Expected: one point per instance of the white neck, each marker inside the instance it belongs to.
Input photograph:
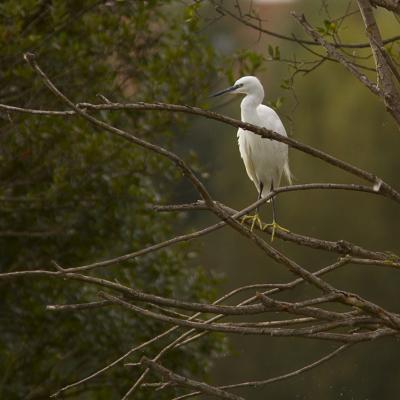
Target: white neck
(251, 102)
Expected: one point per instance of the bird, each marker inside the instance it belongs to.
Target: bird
(265, 160)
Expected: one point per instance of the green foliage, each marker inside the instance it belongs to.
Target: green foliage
(328, 29)
(274, 52)
(74, 194)
(277, 103)
(241, 63)
(287, 84)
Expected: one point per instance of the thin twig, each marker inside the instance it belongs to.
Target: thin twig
(225, 11)
(78, 307)
(277, 378)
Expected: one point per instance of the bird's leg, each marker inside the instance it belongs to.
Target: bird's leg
(274, 225)
(255, 219)
(259, 196)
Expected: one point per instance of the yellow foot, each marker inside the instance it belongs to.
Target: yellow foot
(274, 227)
(254, 219)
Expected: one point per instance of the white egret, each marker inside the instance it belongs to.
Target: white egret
(265, 160)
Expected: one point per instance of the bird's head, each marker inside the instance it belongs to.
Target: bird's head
(244, 85)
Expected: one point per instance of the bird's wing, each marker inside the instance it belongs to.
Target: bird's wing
(288, 173)
(245, 153)
(271, 120)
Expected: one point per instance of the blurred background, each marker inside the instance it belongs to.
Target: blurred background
(329, 109)
(184, 51)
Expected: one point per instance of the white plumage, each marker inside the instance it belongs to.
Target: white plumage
(265, 160)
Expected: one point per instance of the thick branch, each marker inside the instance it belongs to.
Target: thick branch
(391, 5)
(388, 90)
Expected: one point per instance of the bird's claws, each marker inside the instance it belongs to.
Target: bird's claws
(255, 219)
(274, 226)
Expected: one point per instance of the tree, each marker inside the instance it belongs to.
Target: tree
(72, 194)
(348, 320)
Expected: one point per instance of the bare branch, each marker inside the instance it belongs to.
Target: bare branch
(183, 381)
(78, 307)
(293, 373)
(300, 309)
(66, 113)
(388, 90)
(391, 5)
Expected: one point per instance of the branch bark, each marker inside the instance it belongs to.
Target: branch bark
(390, 5)
(184, 381)
(388, 90)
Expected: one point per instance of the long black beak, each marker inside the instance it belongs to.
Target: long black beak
(229, 89)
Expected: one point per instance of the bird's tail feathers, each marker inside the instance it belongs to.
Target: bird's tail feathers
(288, 174)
